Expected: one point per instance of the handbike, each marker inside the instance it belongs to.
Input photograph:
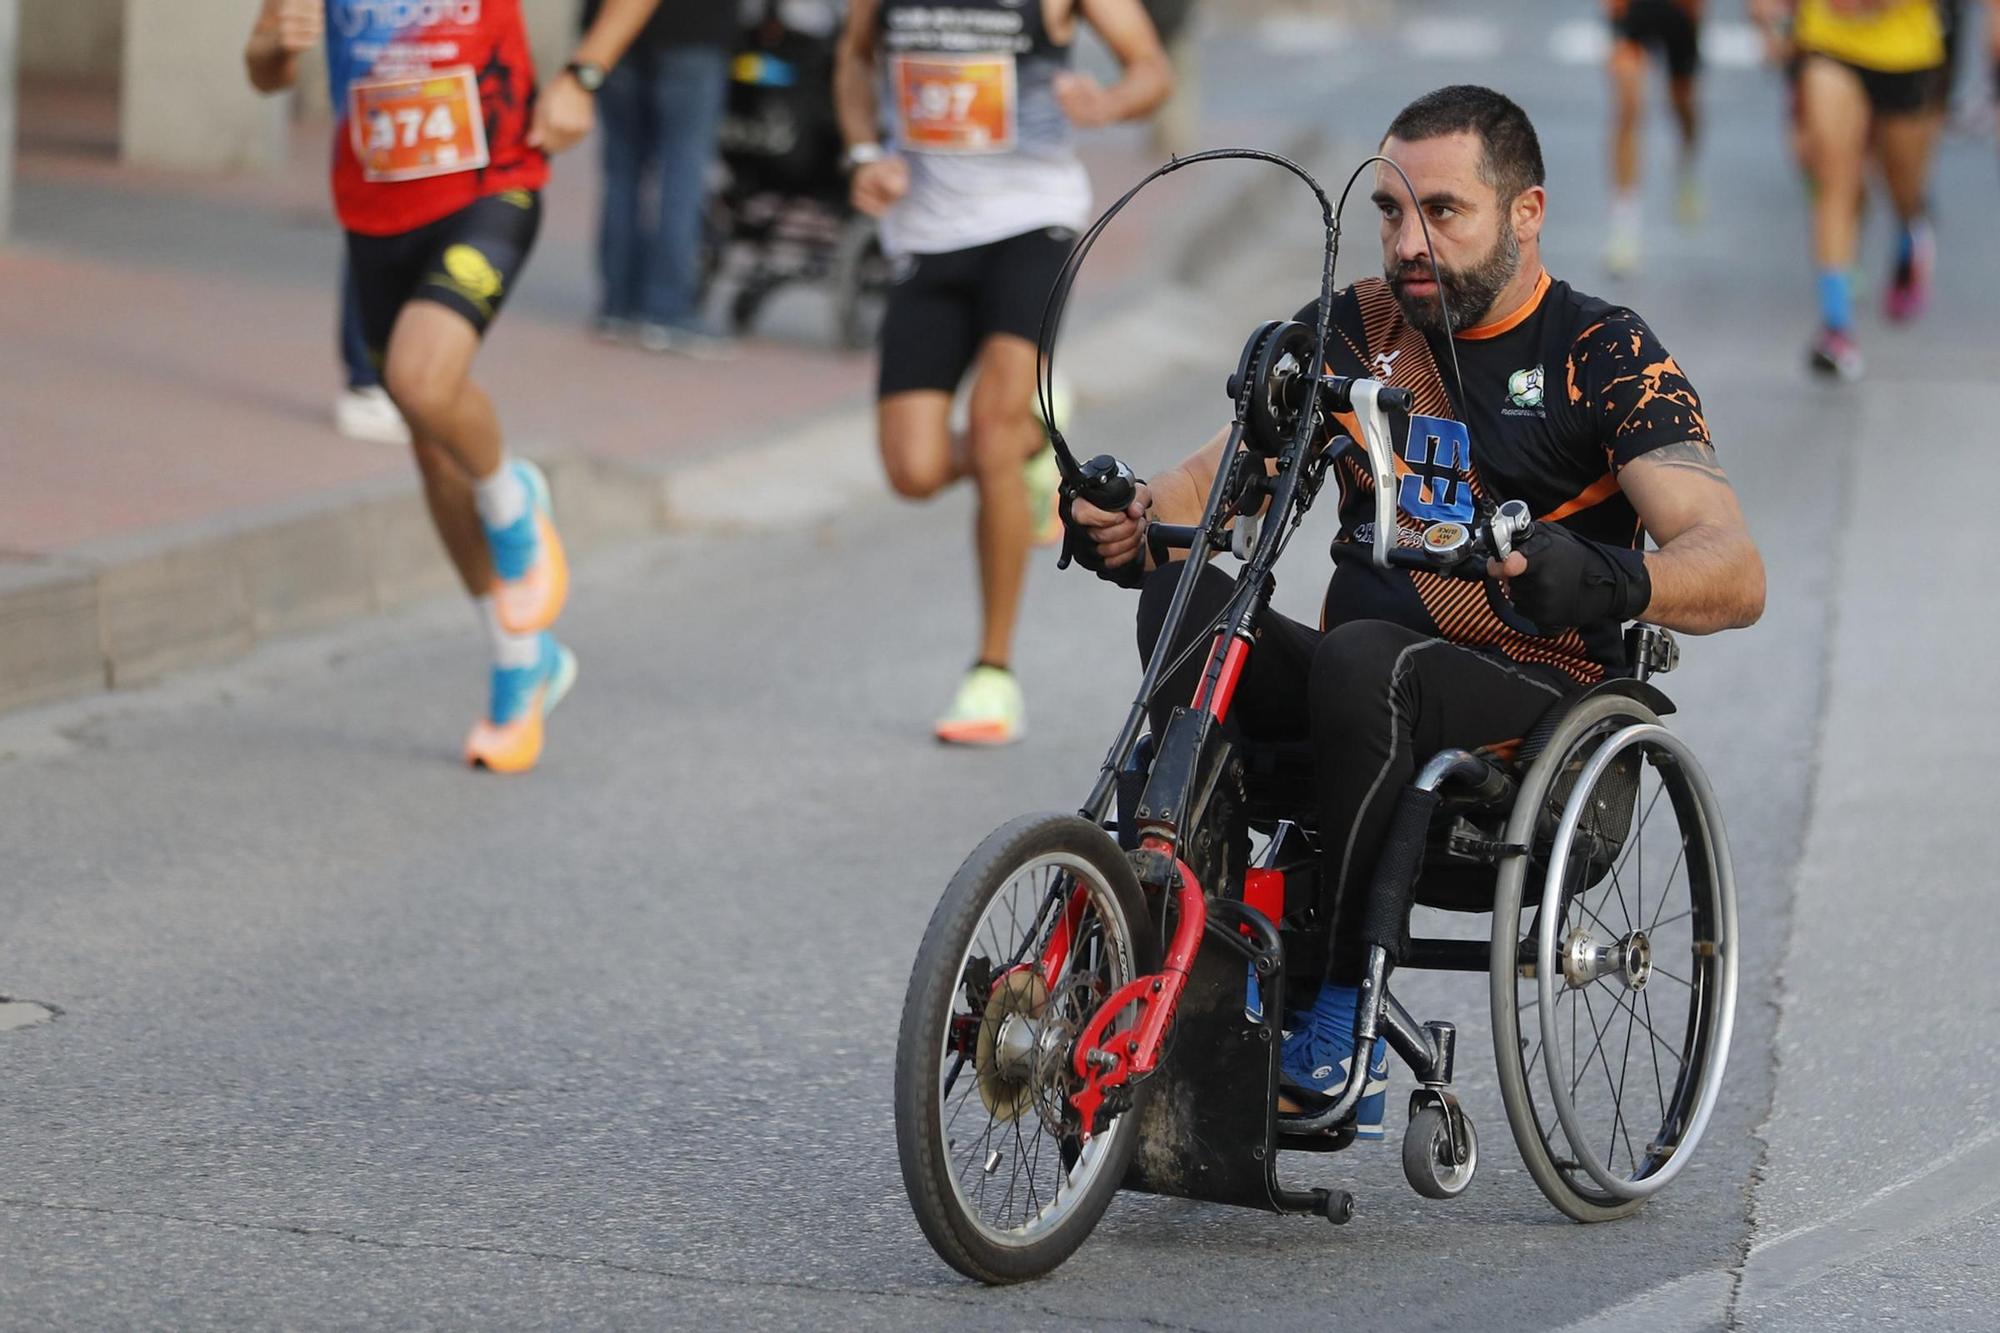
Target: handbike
(1099, 999)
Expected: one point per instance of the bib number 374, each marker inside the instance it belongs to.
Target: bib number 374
(424, 125)
(956, 104)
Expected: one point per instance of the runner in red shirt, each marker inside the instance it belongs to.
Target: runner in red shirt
(440, 150)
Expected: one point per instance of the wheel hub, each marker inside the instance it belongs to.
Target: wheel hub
(1584, 960)
(1009, 1035)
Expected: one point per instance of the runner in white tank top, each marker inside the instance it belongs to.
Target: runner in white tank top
(958, 117)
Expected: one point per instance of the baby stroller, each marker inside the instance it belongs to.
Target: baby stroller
(783, 213)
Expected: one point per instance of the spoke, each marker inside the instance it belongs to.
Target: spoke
(957, 1065)
(1597, 1046)
(1601, 923)
(1573, 1044)
(1662, 972)
(1659, 1084)
(1611, 883)
(1662, 1042)
(1604, 1062)
(1618, 1097)
(1643, 818)
(1677, 916)
(1664, 895)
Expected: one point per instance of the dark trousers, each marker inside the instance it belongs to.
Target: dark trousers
(1375, 700)
(659, 115)
(361, 369)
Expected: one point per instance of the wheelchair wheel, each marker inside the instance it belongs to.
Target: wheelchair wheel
(1001, 1181)
(1614, 960)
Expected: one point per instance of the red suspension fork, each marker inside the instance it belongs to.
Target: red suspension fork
(1105, 1060)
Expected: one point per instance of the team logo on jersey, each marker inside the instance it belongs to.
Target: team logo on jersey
(1524, 388)
(1385, 364)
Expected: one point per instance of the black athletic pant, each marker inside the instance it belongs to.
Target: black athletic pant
(1375, 700)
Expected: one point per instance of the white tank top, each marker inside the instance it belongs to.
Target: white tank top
(969, 86)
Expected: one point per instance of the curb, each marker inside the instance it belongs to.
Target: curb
(126, 611)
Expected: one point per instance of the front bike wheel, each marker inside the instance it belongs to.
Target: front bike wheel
(1001, 1179)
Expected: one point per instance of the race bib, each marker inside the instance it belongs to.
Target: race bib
(424, 125)
(956, 104)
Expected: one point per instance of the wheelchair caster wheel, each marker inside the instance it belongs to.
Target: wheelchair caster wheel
(1432, 1166)
(1338, 1207)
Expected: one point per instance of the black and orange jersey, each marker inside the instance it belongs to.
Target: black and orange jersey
(1557, 396)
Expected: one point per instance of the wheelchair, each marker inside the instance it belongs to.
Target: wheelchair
(1100, 997)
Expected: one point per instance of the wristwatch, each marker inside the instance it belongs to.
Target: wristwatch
(861, 154)
(588, 77)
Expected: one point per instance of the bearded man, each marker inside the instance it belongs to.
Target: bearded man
(1525, 389)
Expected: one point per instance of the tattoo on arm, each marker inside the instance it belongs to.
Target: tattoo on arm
(1688, 455)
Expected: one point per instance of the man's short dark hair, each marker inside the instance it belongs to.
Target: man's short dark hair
(1513, 157)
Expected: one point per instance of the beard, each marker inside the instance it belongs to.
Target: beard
(1468, 292)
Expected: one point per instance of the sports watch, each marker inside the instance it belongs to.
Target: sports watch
(588, 77)
(861, 154)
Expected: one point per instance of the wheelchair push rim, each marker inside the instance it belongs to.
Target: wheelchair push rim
(1598, 968)
(1643, 1135)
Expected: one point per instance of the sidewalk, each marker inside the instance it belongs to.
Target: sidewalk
(173, 490)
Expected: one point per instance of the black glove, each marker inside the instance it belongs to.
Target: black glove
(1105, 480)
(1572, 580)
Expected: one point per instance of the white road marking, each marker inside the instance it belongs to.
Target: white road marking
(1453, 39)
(1587, 41)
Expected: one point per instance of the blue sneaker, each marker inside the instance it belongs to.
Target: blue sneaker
(1316, 1053)
(509, 738)
(530, 568)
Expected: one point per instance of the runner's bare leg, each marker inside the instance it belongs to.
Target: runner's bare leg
(1003, 436)
(457, 434)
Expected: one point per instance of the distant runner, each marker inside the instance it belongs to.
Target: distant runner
(1672, 29)
(440, 151)
(981, 196)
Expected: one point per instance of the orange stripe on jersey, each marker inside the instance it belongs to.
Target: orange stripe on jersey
(1520, 313)
(1596, 493)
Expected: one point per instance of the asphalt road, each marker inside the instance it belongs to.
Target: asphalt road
(349, 1036)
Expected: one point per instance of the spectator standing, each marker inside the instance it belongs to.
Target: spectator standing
(364, 410)
(660, 113)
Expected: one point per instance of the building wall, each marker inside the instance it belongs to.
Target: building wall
(74, 38)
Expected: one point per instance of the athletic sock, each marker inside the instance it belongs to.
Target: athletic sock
(1626, 212)
(502, 497)
(1836, 310)
(510, 651)
(1909, 236)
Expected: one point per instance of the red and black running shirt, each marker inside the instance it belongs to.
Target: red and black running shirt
(432, 101)
(1558, 395)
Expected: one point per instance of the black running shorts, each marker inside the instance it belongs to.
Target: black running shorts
(943, 306)
(1666, 25)
(467, 261)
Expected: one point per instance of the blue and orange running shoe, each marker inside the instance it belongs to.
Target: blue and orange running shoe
(1312, 1063)
(509, 738)
(530, 568)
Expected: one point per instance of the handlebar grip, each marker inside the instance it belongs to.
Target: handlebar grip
(1107, 483)
(1339, 391)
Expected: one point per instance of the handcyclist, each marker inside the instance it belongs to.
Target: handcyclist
(981, 194)
(1673, 29)
(1566, 402)
(440, 151)
(1868, 81)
